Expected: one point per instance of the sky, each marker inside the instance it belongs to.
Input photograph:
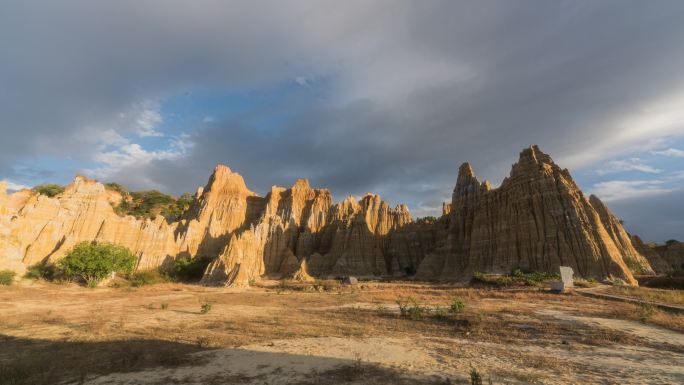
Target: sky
(356, 96)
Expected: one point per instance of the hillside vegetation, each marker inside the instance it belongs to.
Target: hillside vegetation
(150, 203)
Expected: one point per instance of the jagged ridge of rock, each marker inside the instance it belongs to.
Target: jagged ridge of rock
(657, 262)
(538, 219)
(673, 254)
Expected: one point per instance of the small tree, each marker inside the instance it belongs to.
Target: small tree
(49, 189)
(93, 262)
(7, 277)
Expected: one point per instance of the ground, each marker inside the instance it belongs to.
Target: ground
(326, 334)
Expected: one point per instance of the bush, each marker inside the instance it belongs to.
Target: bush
(457, 306)
(41, 271)
(50, 190)
(189, 269)
(205, 308)
(475, 377)
(150, 204)
(412, 309)
(94, 262)
(142, 278)
(517, 277)
(7, 277)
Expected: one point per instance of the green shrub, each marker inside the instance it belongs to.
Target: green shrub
(164, 306)
(142, 278)
(7, 277)
(41, 271)
(205, 308)
(412, 309)
(427, 219)
(150, 204)
(93, 262)
(50, 190)
(457, 306)
(517, 277)
(118, 188)
(189, 269)
(475, 377)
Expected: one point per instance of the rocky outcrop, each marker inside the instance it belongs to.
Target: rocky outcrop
(636, 262)
(44, 229)
(538, 219)
(657, 262)
(673, 253)
(300, 224)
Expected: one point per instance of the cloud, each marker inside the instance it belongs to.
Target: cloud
(670, 152)
(633, 164)
(620, 189)
(653, 219)
(132, 155)
(148, 117)
(397, 93)
(12, 186)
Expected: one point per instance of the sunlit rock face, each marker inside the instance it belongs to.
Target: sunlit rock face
(538, 219)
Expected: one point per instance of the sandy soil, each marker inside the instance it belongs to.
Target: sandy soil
(158, 335)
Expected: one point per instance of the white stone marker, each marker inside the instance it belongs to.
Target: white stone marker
(566, 283)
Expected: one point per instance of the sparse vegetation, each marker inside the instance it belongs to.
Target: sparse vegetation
(668, 296)
(142, 278)
(411, 308)
(41, 271)
(189, 269)
(205, 308)
(49, 190)
(93, 262)
(646, 311)
(427, 219)
(7, 277)
(475, 377)
(150, 204)
(457, 306)
(518, 277)
(104, 325)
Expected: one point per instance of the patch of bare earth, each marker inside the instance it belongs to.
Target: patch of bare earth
(326, 334)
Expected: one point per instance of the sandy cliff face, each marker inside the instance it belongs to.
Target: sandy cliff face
(302, 232)
(637, 262)
(537, 219)
(44, 229)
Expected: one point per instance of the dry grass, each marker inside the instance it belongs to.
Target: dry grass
(667, 296)
(51, 332)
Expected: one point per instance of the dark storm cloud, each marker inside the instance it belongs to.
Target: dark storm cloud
(415, 88)
(657, 219)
